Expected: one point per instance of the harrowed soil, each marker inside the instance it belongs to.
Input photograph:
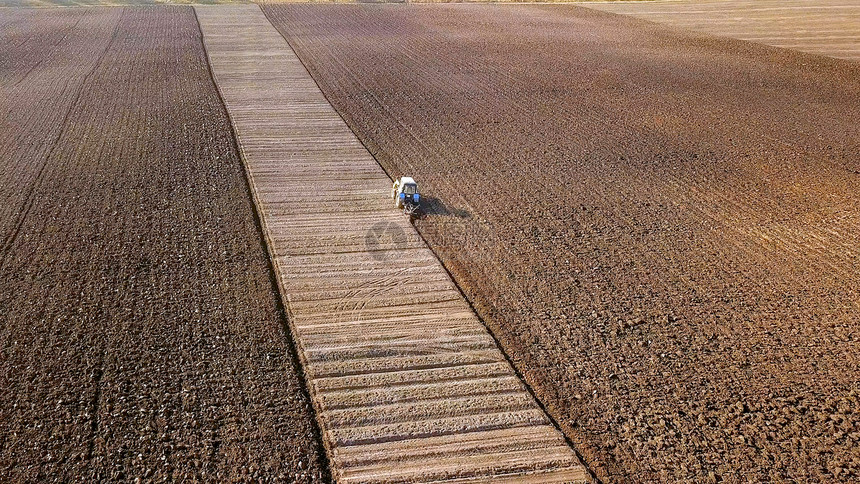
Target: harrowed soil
(661, 228)
(140, 333)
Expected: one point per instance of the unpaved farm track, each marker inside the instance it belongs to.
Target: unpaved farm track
(662, 229)
(408, 384)
(140, 335)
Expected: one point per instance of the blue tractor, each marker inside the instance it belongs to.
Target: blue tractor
(405, 194)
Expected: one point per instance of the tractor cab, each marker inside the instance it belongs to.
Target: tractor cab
(405, 194)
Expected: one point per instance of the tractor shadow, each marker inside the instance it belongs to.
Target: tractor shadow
(433, 206)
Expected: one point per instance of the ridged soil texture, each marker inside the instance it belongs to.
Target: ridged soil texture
(140, 335)
(661, 228)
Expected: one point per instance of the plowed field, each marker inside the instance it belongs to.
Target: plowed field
(661, 229)
(140, 334)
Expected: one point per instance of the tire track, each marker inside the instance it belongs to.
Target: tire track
(24, 210)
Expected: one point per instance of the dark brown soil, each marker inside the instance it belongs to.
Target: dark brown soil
(661, 229)
(140, 335)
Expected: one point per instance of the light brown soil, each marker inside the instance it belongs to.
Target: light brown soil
(825, 27)
(140, 335)
(661, 229)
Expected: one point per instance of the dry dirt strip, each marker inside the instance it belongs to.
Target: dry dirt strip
(407, 382)
(826, 27)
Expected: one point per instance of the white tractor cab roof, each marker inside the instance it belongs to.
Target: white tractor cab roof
(405, 180)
